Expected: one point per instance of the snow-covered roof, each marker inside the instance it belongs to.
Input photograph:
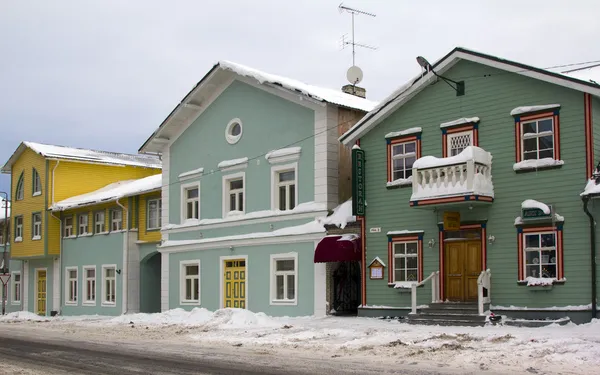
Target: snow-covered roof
(319, 93)
(341, 216)
(591, 188)
(111, 192)
(581, 80)
(84, 156)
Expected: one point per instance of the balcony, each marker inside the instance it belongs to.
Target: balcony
(466, 177)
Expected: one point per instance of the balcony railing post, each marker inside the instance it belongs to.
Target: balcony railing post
(470, 173)
(413, 298)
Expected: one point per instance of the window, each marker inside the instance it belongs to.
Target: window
(71, 286)
(458, 135)
(154, 211)
(99, 225)
(405, 257)
(458, 141)
(538, 139)
(89, 285)
(18, 228)
(16, 288)
(233, 131)
(284, 192)
(403, 156)
(284, 279)
(233, 193)
(540, 252)
(406, 265)
(190, 282)
(109, 285)
(37, 183)
(116, 220)
(83, 224)
(191, 201)
(36, 226)
(402, 152)
(20, 190)
(68, 232)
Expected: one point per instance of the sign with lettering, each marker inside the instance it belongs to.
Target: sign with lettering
(534, 213)
(451, 220)
(358, 182)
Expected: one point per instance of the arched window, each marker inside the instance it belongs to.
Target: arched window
(19, 191)
(37, 183)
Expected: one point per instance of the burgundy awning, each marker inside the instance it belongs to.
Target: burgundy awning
(343, 248)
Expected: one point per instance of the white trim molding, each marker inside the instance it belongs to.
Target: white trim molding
(183, 200)
(182, 282)
(320, 290)
(84, 279)
(189, 175)
(226, 191)
(273, 301)
(222, 260)
(67, 286)
(164, 282)
(275, 171)
(284, 155)
(233, 139)
(103, 303)
(25, 285)
(56, 281)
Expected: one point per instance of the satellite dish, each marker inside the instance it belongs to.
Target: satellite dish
(354, 75)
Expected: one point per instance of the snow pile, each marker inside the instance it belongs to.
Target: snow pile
(532, 108)
(531, 204)
(537, 163)
(460, 121)
(239, 318)
(232, 163)
(591, 188)
(404, 132)
(305, 207)
(283, 152)
(400, 182)
(539, 281)
(477, 154)
(180, 316)
(321, 94)
(341, 216)
(191, 173)
(22, 316)
(114, 191)
(405, 284)
(94, 156)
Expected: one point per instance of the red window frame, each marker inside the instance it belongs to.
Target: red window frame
(519, 120)
(558, 233)
(392, 239)
(402, 139)
(473, 127)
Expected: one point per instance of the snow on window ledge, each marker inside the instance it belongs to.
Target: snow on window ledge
(557, 218)
(191, 174)
(541, 281)
(18, 239)
(528, 165)
(530, 203)
(283, 155)
(404, 284)
(401, 133)
(460, 121)
(532, 108)
(36, 194)
(86, 234)
(69, 237)
(400, 182)
(35, 238)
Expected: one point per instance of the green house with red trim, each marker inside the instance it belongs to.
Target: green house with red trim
(473, 177)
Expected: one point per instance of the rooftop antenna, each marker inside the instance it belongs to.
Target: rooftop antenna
(354, 73)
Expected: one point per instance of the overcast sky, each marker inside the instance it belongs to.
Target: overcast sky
(104, 74)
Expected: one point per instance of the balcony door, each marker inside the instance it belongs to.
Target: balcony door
(457, 142)
(462, 268)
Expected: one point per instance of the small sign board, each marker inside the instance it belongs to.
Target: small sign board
(535, 213)
(451, 220)
(376, 270)
(375, 230)
(5, 277)
(358, 182)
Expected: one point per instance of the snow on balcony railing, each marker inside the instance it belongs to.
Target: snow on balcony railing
(469, 172)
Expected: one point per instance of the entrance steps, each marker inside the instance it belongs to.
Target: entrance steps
(449, 314)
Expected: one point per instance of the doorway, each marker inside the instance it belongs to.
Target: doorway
(234, 282)
(150, 279)
(40, 306)
(462, 268)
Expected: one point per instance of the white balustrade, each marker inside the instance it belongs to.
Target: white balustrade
(484, 281)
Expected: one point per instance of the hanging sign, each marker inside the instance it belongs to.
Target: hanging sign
(358, 182)
(451, 220)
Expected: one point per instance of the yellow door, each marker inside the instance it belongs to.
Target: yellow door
(235, 284)
(41, 292)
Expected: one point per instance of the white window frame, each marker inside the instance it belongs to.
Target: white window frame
(83, 232)
(226, 191)
(14, 284)
(103, 222)
(118, 221)
(397, 256)
(273, 282)
(36, 227)
(69, 282)
(158, 214)
(233, 139)
(184, 201)
(537, 136)
(275, 170)
(68, 229)
(539, 250)
(36, 182)
(449, 137)
(85, 281)
(182, 282)
(20, 190)
(403, 157)
(18, 229)
(105, 303)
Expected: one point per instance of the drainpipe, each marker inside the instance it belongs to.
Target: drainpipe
(54, 169)
(586, 200)
(125, 256)
(60, 256)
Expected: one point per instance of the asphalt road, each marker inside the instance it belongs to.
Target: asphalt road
(20, 354)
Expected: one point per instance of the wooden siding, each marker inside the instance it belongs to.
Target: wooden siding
(491, 95)
(143, 233)
(30, 204)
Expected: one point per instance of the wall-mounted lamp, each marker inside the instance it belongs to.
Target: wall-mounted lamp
(431, 243)
(119, 272)
(460, 85)
(271, 226)
(491, 239)
(231, 248)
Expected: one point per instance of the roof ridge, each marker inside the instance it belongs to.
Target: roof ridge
(148, 156)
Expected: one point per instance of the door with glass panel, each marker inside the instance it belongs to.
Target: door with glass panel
(234, 282)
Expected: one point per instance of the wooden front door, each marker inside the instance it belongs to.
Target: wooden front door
(234, 293)
(461, 270)
(41, 292)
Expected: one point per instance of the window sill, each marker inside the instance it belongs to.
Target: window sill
(69, 237)
(36, 194)
(18, 239)
(70, 303)
(98, 233)
(89, 304)
(35, 239)
(393, 187)
(16, 303)
(108, 304)
(152, 230)
(279, 302)
(403, 290)
(537, 168)
(189, 303)
(86, 235)
(118, 231)
(535, 288)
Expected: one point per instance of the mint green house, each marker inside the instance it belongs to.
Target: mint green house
(473, 183)
(250, 160)
(11, 291)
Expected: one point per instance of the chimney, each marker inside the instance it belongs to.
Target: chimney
(355, 90)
